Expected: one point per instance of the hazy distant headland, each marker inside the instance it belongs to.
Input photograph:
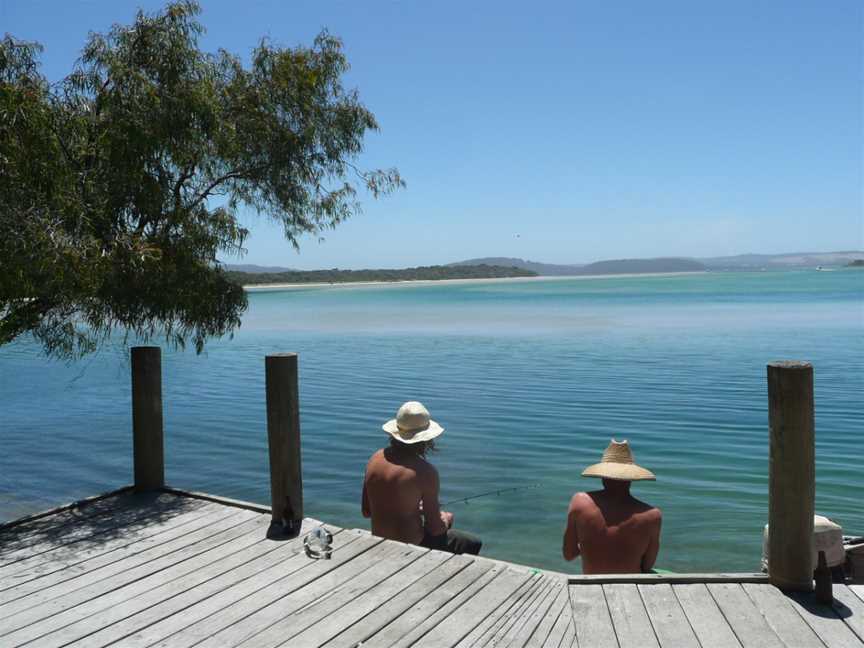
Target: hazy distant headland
(678, 264)
(506, 267)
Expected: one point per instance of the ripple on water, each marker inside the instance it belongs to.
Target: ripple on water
(531, 382)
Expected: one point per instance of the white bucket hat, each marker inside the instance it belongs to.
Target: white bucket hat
(618, 463)
(412, 424)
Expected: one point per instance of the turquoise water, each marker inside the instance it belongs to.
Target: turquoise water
(530, 378)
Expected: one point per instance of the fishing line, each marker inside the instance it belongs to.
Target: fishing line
(498, 491)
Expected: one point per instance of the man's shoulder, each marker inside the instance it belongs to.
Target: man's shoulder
(378, 455)
(582, 501)
(650, 514)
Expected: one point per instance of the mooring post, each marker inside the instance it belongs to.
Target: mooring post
(147, 443)
(791, 488)
(283, 436)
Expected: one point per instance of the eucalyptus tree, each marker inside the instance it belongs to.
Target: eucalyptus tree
(121, 183)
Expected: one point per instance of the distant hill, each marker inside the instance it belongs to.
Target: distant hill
(430, 273)
(544, 269)
(677, 264)
(641, 266)
(788, 260)
(252, 268)
(618, 266)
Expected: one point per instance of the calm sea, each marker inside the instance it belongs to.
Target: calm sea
(530, 378)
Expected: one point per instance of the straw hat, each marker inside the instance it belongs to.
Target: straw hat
(412, 424)
(617, 463)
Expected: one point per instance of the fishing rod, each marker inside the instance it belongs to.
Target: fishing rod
(459, 500)
(499, 491)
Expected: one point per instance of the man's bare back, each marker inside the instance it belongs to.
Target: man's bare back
(400, 494)
(613, 532)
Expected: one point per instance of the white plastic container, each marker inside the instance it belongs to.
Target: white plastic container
(827, 537)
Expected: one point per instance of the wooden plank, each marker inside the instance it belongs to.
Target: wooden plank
(743, 616)
(562, 627)
(591, 617)
(629, 616)
(93, 544)
(519, 633)
(569, 638)
(667, 617)
(849, 608)
(499, 616)
(218, 611)
(517, 617)
(825, 622)
(361, 629)
(110, 612)
(779, 613)
(857, 590)
(679, 579)
(431, 621)
(96, 529)
(168, 610)
(285, 626)
(30, 527)
(473, 611)
(705, 617)
(75, 523)
(127, 561)
(79, 570)
(135, 581)
(384, 596)
(434, 604)
(540, 635)
(265, 607)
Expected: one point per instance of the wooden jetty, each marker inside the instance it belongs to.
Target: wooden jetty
(150, 565)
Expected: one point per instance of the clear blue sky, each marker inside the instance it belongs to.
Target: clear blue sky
(566, 132)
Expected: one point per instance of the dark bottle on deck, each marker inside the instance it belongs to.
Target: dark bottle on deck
(822, 575)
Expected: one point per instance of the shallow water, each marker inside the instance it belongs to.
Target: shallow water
(531, 380)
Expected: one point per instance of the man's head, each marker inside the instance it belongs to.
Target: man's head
(420, 449)
(617, 486)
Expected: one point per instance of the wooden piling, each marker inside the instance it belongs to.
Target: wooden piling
(283, 435)
(147, 432)
(791, 490)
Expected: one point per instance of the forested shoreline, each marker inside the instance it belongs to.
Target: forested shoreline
(422, 273)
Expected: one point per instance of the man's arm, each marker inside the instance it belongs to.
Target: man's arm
(364, 504)
(653, 543)
(433, 524)
(571, 535)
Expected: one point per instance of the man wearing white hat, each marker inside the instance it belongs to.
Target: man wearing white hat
(613, 531)
(400, 489)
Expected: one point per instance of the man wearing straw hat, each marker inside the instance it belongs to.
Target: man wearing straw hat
(613, 531)
(400, 490)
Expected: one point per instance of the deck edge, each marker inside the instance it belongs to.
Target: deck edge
(672, 579)
(218, 499)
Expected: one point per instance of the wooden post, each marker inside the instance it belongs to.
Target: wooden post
(149, 459)
(283, 436)
(791, 489)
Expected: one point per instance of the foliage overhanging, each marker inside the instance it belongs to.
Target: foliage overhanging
(121, 183)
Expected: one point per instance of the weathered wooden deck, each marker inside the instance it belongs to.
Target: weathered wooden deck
(171, 570)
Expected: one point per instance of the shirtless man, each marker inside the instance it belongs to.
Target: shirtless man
(613, 531)
(400, 490)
